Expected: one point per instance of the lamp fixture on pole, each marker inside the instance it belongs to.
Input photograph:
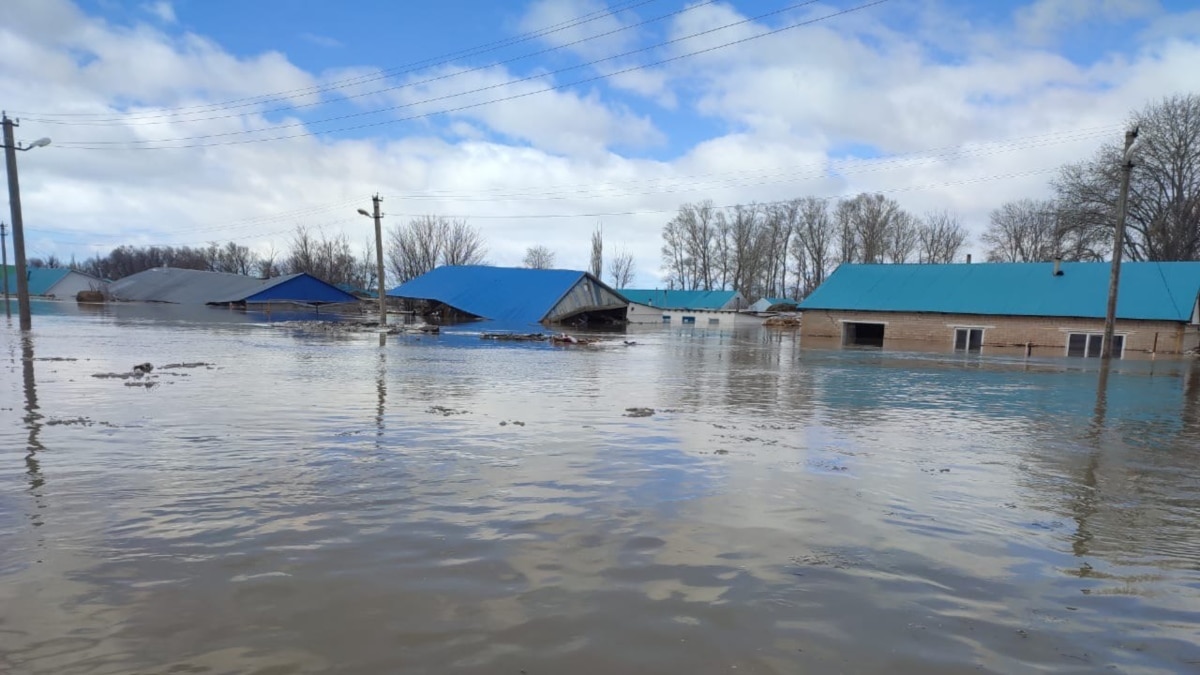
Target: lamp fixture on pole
(378, 217)
(18, 225)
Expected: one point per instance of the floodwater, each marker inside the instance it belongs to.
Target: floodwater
(313, 503)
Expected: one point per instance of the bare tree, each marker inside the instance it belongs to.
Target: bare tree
(812, 247)
(1163, 216)
(901, 238)
(464, 245)
(597, 268)
(539, 257)
(620, 269)
(328, 258)
(1025, 230)
(939, 238)
(429, 241)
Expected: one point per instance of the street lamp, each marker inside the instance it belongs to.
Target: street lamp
(377, 216)
(14, 203)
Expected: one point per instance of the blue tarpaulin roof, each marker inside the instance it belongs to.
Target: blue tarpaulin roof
(40, 279)
(1149, 290)
(515, 296)
(679, 299)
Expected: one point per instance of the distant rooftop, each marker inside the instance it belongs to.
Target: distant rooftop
(669, 299)
(1149, 290)
(198, 287)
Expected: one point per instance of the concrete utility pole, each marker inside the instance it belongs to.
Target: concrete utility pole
(14, 203)
(4, 268)
(378, 216)
(1114, 278)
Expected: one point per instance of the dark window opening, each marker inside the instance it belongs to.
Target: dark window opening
(968, 339)
(1091, 345)
(863, 334)
(689, 319)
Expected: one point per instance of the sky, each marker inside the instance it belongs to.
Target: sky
(189, 121)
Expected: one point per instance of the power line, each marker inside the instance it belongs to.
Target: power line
(169, 118)
(106, 145)
(609, 214)
(383, 74)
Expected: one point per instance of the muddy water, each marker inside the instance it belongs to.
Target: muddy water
(315, 503)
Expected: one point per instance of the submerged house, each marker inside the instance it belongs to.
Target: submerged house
(54, 282)
(516, 298)
(198, 287)
(713, 308)
(1047, 309)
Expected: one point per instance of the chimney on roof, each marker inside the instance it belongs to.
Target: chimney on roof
(968, 258)
(1058, 266)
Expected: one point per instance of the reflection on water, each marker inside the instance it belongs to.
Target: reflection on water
(284, 502)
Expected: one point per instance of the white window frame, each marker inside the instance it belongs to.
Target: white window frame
(954, 338)
(1091, 334)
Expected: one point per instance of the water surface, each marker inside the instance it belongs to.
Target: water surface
(308, 503)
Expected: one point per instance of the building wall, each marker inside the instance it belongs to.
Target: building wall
(69, 286)
(638, 313)
(1047, 336)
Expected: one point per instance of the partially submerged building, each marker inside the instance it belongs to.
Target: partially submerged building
(773, 305)
(515, 297)
(712, 308)
(197, 287)
(1048, 309)
(54, 282)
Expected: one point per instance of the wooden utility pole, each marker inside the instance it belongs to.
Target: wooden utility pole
(378, 215)
(14, 205)
(4, 268)
(1114, 278)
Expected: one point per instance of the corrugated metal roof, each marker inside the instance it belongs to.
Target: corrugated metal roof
(1153, 291)
(40, 279)
(510, 295)
(198, 287)
(681, 299)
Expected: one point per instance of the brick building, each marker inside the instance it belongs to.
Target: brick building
(1041, 309)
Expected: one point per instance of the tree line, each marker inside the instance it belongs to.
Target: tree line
(788, 248)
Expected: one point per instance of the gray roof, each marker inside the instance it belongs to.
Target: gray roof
(190, 287)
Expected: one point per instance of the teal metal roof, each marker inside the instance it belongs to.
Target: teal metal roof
(679, 299)
(41, 279)
(1153, 291)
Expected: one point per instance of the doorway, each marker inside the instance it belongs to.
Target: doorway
(862, 334)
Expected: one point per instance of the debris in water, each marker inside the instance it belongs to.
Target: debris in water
(196, 364)
(638, 412)
(783, 322)
(142, 383)
(143, 368)
(444, 411)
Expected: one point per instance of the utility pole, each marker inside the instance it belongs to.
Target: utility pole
(1114, 278)
(379, 259)
(14, 204)
(4, 268)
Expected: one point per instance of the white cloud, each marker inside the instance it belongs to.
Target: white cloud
(161, 9)
(777, 114)
(1042, 20)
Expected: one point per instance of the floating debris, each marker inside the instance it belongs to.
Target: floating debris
(515, 337)
(444, 411)
(197, 364)
(143, 368)
(142, 383)
(638, 412)
(789, 321)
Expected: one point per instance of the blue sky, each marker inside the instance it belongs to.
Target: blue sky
(941, 105)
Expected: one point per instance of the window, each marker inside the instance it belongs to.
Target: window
(1090, 345)
(863, 334)
(689, 319)
(666, 318)
(714, 321)
(968, 339)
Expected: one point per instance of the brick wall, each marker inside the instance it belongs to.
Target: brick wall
(1048, 336)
